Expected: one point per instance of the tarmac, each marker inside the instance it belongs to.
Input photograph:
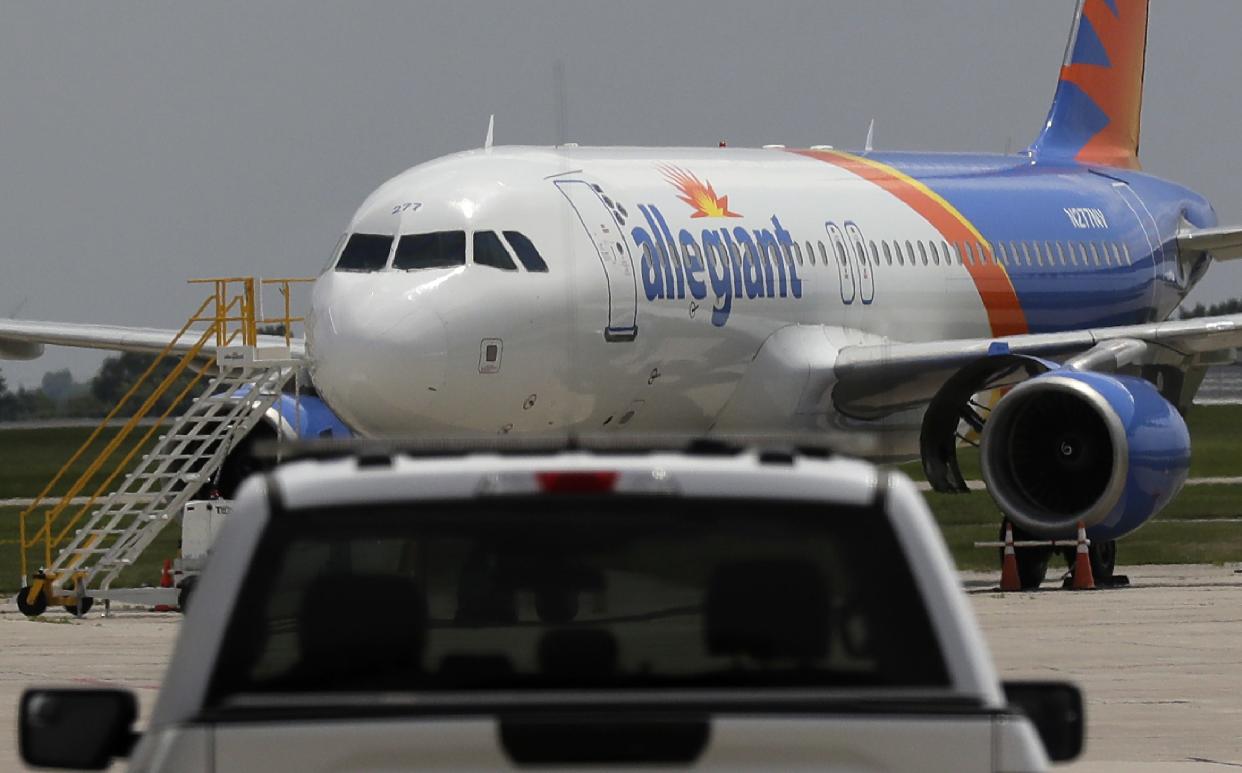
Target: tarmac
(1160, 662)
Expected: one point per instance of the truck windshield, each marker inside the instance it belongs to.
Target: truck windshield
(584, 593)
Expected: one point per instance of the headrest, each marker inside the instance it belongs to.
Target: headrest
(475, 671)
(361, 624)
(768, 609)
(578, 653)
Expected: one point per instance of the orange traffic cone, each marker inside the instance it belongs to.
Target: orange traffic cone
(1009, 564)
(166, 581)
(1083, 579)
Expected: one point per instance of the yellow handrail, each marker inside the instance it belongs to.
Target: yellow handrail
(50, 515)
(284, 287)
(231, 312)
(150, 402)
(73, 521)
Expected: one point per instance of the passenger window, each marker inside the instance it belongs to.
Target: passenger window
(1004, 256)
(923, 251)
(526, 252)
(797, 252)
(1082, 253)
(1116, 254)
(438, 249)
(488, 251)
(1026, 254)
(888, 253)
(1060, 253)
(810, 253)
(1126, 249)
(1014, 255)
(1047, 252)
(365, 252)
(1095, 256)
(823, 254)
(875, 253)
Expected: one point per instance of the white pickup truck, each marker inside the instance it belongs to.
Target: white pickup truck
(729, 610)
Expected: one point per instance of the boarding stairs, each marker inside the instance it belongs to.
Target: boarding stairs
(173, 461)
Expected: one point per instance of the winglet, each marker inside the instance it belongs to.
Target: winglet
(491, 124)
(1095, 114)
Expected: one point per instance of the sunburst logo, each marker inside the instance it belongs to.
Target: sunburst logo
(698, 194)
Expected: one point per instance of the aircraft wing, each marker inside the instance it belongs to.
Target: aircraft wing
(24, 339)
(878, 378)
(1222, 243)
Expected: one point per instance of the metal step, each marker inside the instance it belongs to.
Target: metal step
(151, 496)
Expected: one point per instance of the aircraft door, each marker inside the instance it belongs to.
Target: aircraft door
(602, 223)
(845, 263)
(1145, 220)
(862, 264)
(1151, 235)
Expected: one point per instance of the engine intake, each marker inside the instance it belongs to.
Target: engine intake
(1069, 447)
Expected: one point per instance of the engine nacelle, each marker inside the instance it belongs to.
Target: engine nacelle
(290, 418)
(1068, 447)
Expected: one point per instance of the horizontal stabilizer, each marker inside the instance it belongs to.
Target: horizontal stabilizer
(1223, 243)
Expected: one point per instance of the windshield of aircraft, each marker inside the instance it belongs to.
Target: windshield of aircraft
(591, 592)
(488, 251)
(439, 249)
(365, 252)
(526, 251)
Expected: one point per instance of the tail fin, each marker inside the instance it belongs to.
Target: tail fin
(1095, 114)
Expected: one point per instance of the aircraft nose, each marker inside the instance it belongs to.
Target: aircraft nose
(378, 360)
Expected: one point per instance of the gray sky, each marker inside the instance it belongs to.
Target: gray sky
(144, 144)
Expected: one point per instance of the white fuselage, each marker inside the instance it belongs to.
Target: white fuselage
(653, 308)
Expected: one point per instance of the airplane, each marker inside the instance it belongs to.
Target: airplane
(1020, 299)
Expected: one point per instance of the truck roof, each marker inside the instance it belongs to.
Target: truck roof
(747, 474)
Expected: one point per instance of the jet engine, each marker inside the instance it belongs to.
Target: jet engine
(289, 419)
(1067, 447)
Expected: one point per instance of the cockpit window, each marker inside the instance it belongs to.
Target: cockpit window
(365, 252)
(488, 251)
(526, 251)
(336, 253)
(439, 249)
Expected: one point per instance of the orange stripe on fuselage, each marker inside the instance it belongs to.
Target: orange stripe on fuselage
(1005, 314)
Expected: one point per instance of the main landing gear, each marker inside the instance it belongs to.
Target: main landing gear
(1033, 561)
(1103, 557)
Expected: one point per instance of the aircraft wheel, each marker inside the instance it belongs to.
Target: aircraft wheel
(1103, 555)
(31, 609)
(1032, 562)
(185, 591)
(87, 603)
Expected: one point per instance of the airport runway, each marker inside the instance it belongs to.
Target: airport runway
(1160, 662)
